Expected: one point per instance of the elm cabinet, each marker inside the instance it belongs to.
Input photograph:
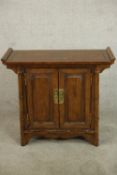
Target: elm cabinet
(59, 91)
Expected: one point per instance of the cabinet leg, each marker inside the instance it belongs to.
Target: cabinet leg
(92, 138)
(25, 139)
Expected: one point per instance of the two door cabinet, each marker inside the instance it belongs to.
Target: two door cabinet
(59, 91)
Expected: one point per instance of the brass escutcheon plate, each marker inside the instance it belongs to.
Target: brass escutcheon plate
(61, 96)
(58, 96)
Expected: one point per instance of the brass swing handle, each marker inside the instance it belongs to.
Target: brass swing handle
(58, 96)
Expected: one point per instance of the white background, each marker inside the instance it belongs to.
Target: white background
(58, 24)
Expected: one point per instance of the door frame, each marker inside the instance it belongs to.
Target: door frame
(53, 75)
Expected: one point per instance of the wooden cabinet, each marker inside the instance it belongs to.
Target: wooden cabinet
(59, 92)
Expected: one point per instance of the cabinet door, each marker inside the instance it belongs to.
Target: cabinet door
(75, 108)
(42, 111)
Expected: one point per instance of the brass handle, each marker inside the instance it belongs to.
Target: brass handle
(55, 95)
(58, 96)
(61, 96)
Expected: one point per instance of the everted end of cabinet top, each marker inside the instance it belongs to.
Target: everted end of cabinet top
(58, 57)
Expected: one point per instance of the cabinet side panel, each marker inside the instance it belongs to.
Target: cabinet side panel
(24, 120)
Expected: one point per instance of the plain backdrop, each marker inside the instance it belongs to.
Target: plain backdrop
(58, 24)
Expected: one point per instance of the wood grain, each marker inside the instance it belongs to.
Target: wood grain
(55, 57)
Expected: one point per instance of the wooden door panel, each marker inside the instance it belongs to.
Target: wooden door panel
(75, 111)
(42, 110)
(74, 98)
(41, 86)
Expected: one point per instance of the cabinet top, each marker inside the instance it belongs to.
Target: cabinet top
(49, 57)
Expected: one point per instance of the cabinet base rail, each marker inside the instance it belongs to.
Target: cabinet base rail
(90, 135)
